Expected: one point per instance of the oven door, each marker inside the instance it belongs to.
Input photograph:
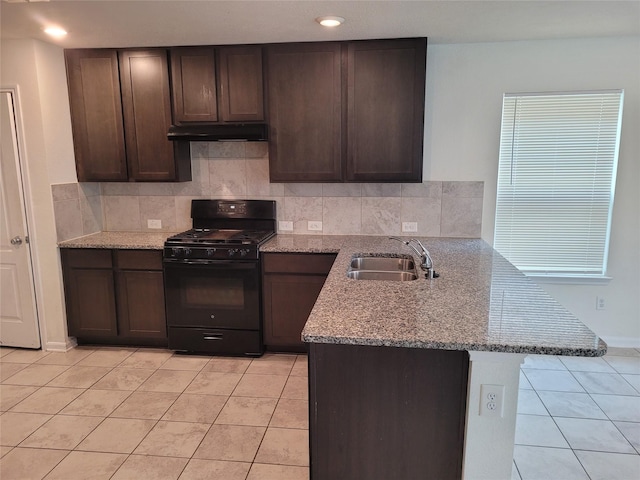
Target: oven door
(223, 294)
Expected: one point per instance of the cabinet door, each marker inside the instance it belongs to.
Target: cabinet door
(141, 304)
(288, 301)
(89, 293)
(193, 75)
(96, 115)
(291, 285)
(241, 91)
(144, 78)
(304, 98)
(380, 412)
(386, 82)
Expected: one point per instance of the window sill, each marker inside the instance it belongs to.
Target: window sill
(570, 280)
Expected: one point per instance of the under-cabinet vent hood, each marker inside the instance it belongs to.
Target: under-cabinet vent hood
(252, 132)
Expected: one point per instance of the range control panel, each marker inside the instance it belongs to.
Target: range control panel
(203, 254)
(233, 208)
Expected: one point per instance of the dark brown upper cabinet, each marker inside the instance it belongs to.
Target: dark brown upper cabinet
(346, 111)
(385, 111)
(241, 84)
(120, 113)
(193, 73)
(216, 85)
(96, 115)
(144, 77)
(305, 105)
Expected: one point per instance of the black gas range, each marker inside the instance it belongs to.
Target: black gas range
(216, 244)
(213, 279)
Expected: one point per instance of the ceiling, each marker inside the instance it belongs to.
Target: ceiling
(113, 23)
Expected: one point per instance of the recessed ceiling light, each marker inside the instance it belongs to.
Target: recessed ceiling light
(55, 32)
(330, 21)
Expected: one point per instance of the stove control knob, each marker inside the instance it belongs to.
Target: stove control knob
(244, 252)
(233, 251)
(176, 251)
(186, 251)
(211, 252)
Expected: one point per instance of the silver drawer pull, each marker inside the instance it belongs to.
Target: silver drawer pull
(213, 337)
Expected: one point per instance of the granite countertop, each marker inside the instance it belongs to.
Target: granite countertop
(479, 302)
(120, 240)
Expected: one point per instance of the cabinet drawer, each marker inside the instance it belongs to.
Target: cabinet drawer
(86, 258)
(215, 340)
(138, 259)
(312, 263)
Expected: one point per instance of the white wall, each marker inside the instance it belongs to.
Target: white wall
(465, 84)
(54, 103)
(38, 71)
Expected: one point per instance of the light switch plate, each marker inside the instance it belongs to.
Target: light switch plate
(154, 223)
(285, 226)
(314, 226)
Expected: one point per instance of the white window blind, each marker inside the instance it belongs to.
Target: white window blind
(556, 181)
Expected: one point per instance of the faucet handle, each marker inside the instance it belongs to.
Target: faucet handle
(419, 243)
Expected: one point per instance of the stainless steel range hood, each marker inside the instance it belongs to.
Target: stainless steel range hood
(252, 132)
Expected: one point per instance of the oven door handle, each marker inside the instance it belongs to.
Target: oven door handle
(212, 336)
(204, 262)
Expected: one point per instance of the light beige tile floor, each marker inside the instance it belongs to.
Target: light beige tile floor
(142, 413)
(126, 413)
(579, 418)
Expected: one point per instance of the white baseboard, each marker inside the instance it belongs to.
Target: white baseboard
(622, 342)
(61, 346)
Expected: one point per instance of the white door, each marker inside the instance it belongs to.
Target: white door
(18, 317)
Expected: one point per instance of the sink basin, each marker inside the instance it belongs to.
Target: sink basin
(391, 267)
(386, 264)
(379, 275)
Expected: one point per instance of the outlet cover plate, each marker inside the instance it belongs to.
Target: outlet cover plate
(409, 226)
(314, 226)
(154, 223)
(491, 400)
(285, 226)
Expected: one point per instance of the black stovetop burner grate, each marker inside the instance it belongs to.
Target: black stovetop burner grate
(222, 236)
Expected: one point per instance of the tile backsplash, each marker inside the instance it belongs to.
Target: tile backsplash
(78, 209)
(241, 170)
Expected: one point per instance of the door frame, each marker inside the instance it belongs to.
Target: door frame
(25, 187)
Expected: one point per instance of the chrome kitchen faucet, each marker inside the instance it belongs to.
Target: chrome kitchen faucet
(426, 263)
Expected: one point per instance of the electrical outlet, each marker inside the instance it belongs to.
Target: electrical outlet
(314, 226)
(285, 226)
(491, 400)
(154, 223)
(600, 303)
(409, 226)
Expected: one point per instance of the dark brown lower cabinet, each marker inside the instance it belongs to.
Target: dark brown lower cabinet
(90, 293)
(115, 297)
(384, 413)
(291, 285)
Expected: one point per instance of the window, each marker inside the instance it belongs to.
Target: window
(556, 181)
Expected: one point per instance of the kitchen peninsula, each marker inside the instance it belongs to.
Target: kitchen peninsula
(396, 369)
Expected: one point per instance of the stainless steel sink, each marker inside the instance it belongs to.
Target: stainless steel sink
(377, 275)
(390, 267)
(386, 264)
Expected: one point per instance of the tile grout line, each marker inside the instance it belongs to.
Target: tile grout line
(608, 419)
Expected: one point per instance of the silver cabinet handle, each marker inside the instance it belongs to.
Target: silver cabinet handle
(16, 241)
(213, 337)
